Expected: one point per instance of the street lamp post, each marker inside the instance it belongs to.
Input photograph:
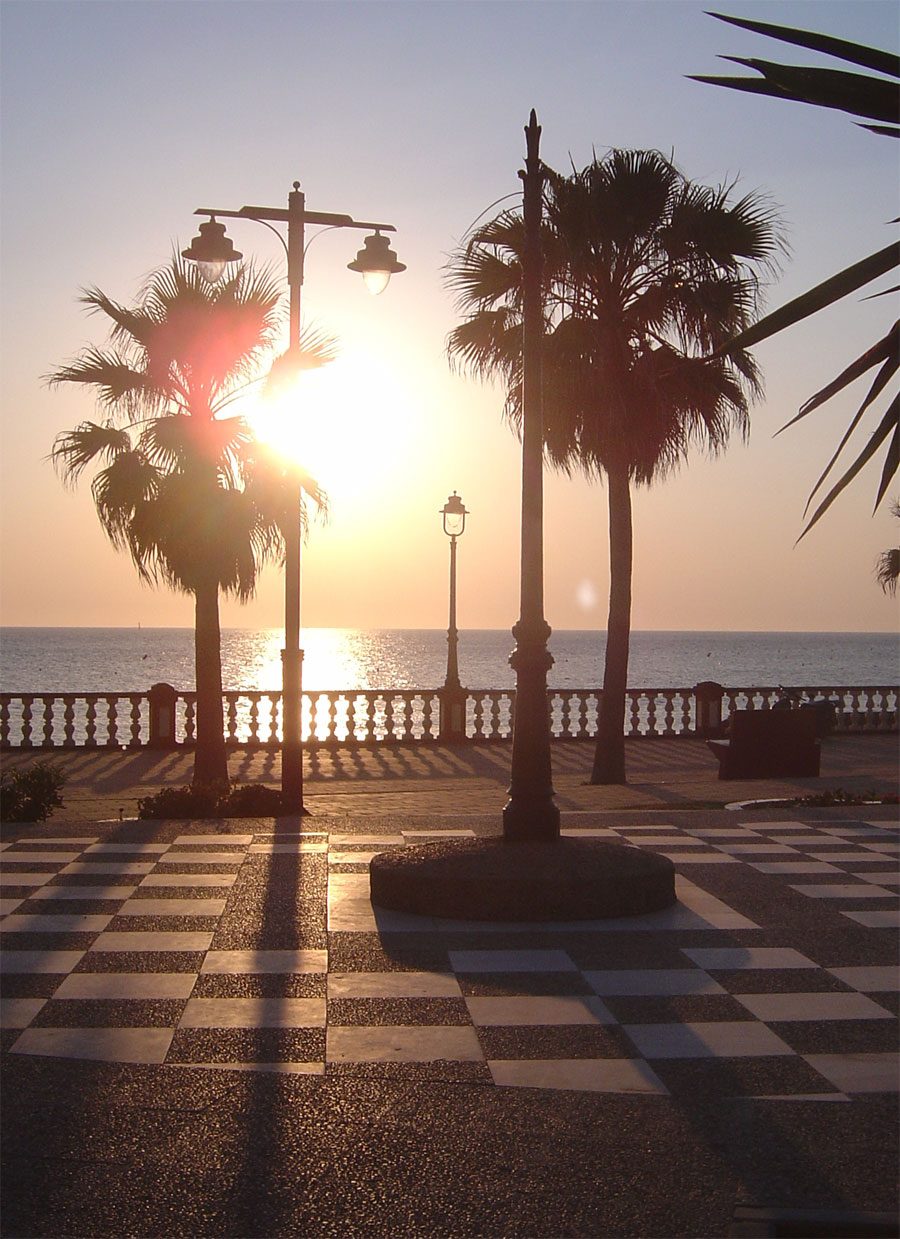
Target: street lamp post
(212, 250)
(453, 699)
(530, 813)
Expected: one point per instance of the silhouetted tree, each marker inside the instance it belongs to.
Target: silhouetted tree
(646, 274)
(887, 569)
(184, 490)
(874, 99)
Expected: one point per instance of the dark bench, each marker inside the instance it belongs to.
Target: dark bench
(769, 744)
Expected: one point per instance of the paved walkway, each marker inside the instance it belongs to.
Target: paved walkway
(466, 779)
(208, 1030)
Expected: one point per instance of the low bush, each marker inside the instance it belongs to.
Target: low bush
(31, 793)
(212, 800)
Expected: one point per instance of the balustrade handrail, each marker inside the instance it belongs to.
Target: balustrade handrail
(165, 717)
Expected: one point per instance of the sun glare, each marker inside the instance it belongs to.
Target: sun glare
(348, 424)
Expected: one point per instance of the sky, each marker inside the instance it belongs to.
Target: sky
(119, 120)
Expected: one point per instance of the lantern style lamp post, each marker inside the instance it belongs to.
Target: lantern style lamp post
(530, 813)
(453, 699)
(212, 250)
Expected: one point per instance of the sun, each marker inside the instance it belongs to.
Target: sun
(349, 424)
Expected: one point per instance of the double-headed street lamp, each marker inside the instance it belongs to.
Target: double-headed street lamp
(212, 250)
(453, 699)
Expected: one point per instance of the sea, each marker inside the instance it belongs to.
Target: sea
(90, 660)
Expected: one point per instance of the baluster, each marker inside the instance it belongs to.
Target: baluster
(633, 700)
(407, 733)
(27, 702)
(68, 721)
(582, 699)
(479, 717)
(49, 700)
(135, 699)
(668, 712)
(4, 721)
(427, 715)
(494, 732)
(253, 719)
(651, 714)
(370, 734)
(332, 716)
(565, 717)
(90, 721)
(686, 721)
(112, 721)
(190, 715)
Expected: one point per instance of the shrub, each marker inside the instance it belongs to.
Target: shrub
(212, 800)
(32, 793)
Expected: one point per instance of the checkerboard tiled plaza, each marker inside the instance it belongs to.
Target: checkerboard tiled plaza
(773, 977)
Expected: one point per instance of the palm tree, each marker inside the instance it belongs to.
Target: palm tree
(887, 567)
(180, 487)
(874, 98)
(646, 274)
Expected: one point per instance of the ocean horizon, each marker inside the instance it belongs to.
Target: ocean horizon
(83, 659)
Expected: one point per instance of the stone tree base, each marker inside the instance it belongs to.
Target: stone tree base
(569, 879)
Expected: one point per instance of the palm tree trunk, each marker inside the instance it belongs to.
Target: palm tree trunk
(210, 762)
(609, 754)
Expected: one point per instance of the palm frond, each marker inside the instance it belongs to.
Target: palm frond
(74, 450)
(842, 49)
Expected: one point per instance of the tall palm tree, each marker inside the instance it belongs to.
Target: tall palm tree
(874, 98)
(179, 486)
(646, 274)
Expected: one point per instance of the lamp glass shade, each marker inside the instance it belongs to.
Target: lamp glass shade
(376, 281)
(211, 250)
(376, 262)
(212, 272)
(454, 513)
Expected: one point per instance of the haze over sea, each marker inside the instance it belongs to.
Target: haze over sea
(131, 659)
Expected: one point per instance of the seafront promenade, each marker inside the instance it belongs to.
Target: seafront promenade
(466, 778)
(208, 1029)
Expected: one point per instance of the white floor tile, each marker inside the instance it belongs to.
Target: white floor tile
(293, 1069)
(876, 920)
(73, 839)
(300, 847)
(8, 906)
(342, 840)
(511, 961)
(725, 1039)
(580, 1075)
(794, 866)
(393, 985)
(82, 892)
(350, 858)
(109, 1045)
(858, 1073)
(654, 841)
(532, 1010)
(10, 878)
(19, 1012)
(752, 849)
(253, 1013)
(118, 985)
(52, 923)
(699, 858)
(208, 840)
(350, 909)
(821, 1007)
(202, 858)
(841, 890)
(421, 835)
(134, 849)
(870, 978)
(878, 879)
(152, 940)
(632, 982)
(40, 963)
(188, 879)
(173, 907)
(731, 958)
(108, 868)
(421, 1043)
(241, 963)
(40, 858)
(845, 858)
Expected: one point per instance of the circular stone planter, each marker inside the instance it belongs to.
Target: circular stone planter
(568, 879)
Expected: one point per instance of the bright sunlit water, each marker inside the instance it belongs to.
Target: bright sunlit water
(131, 659)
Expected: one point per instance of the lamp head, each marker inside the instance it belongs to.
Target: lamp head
(376, 262)
(211, 250)
(454, 513)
